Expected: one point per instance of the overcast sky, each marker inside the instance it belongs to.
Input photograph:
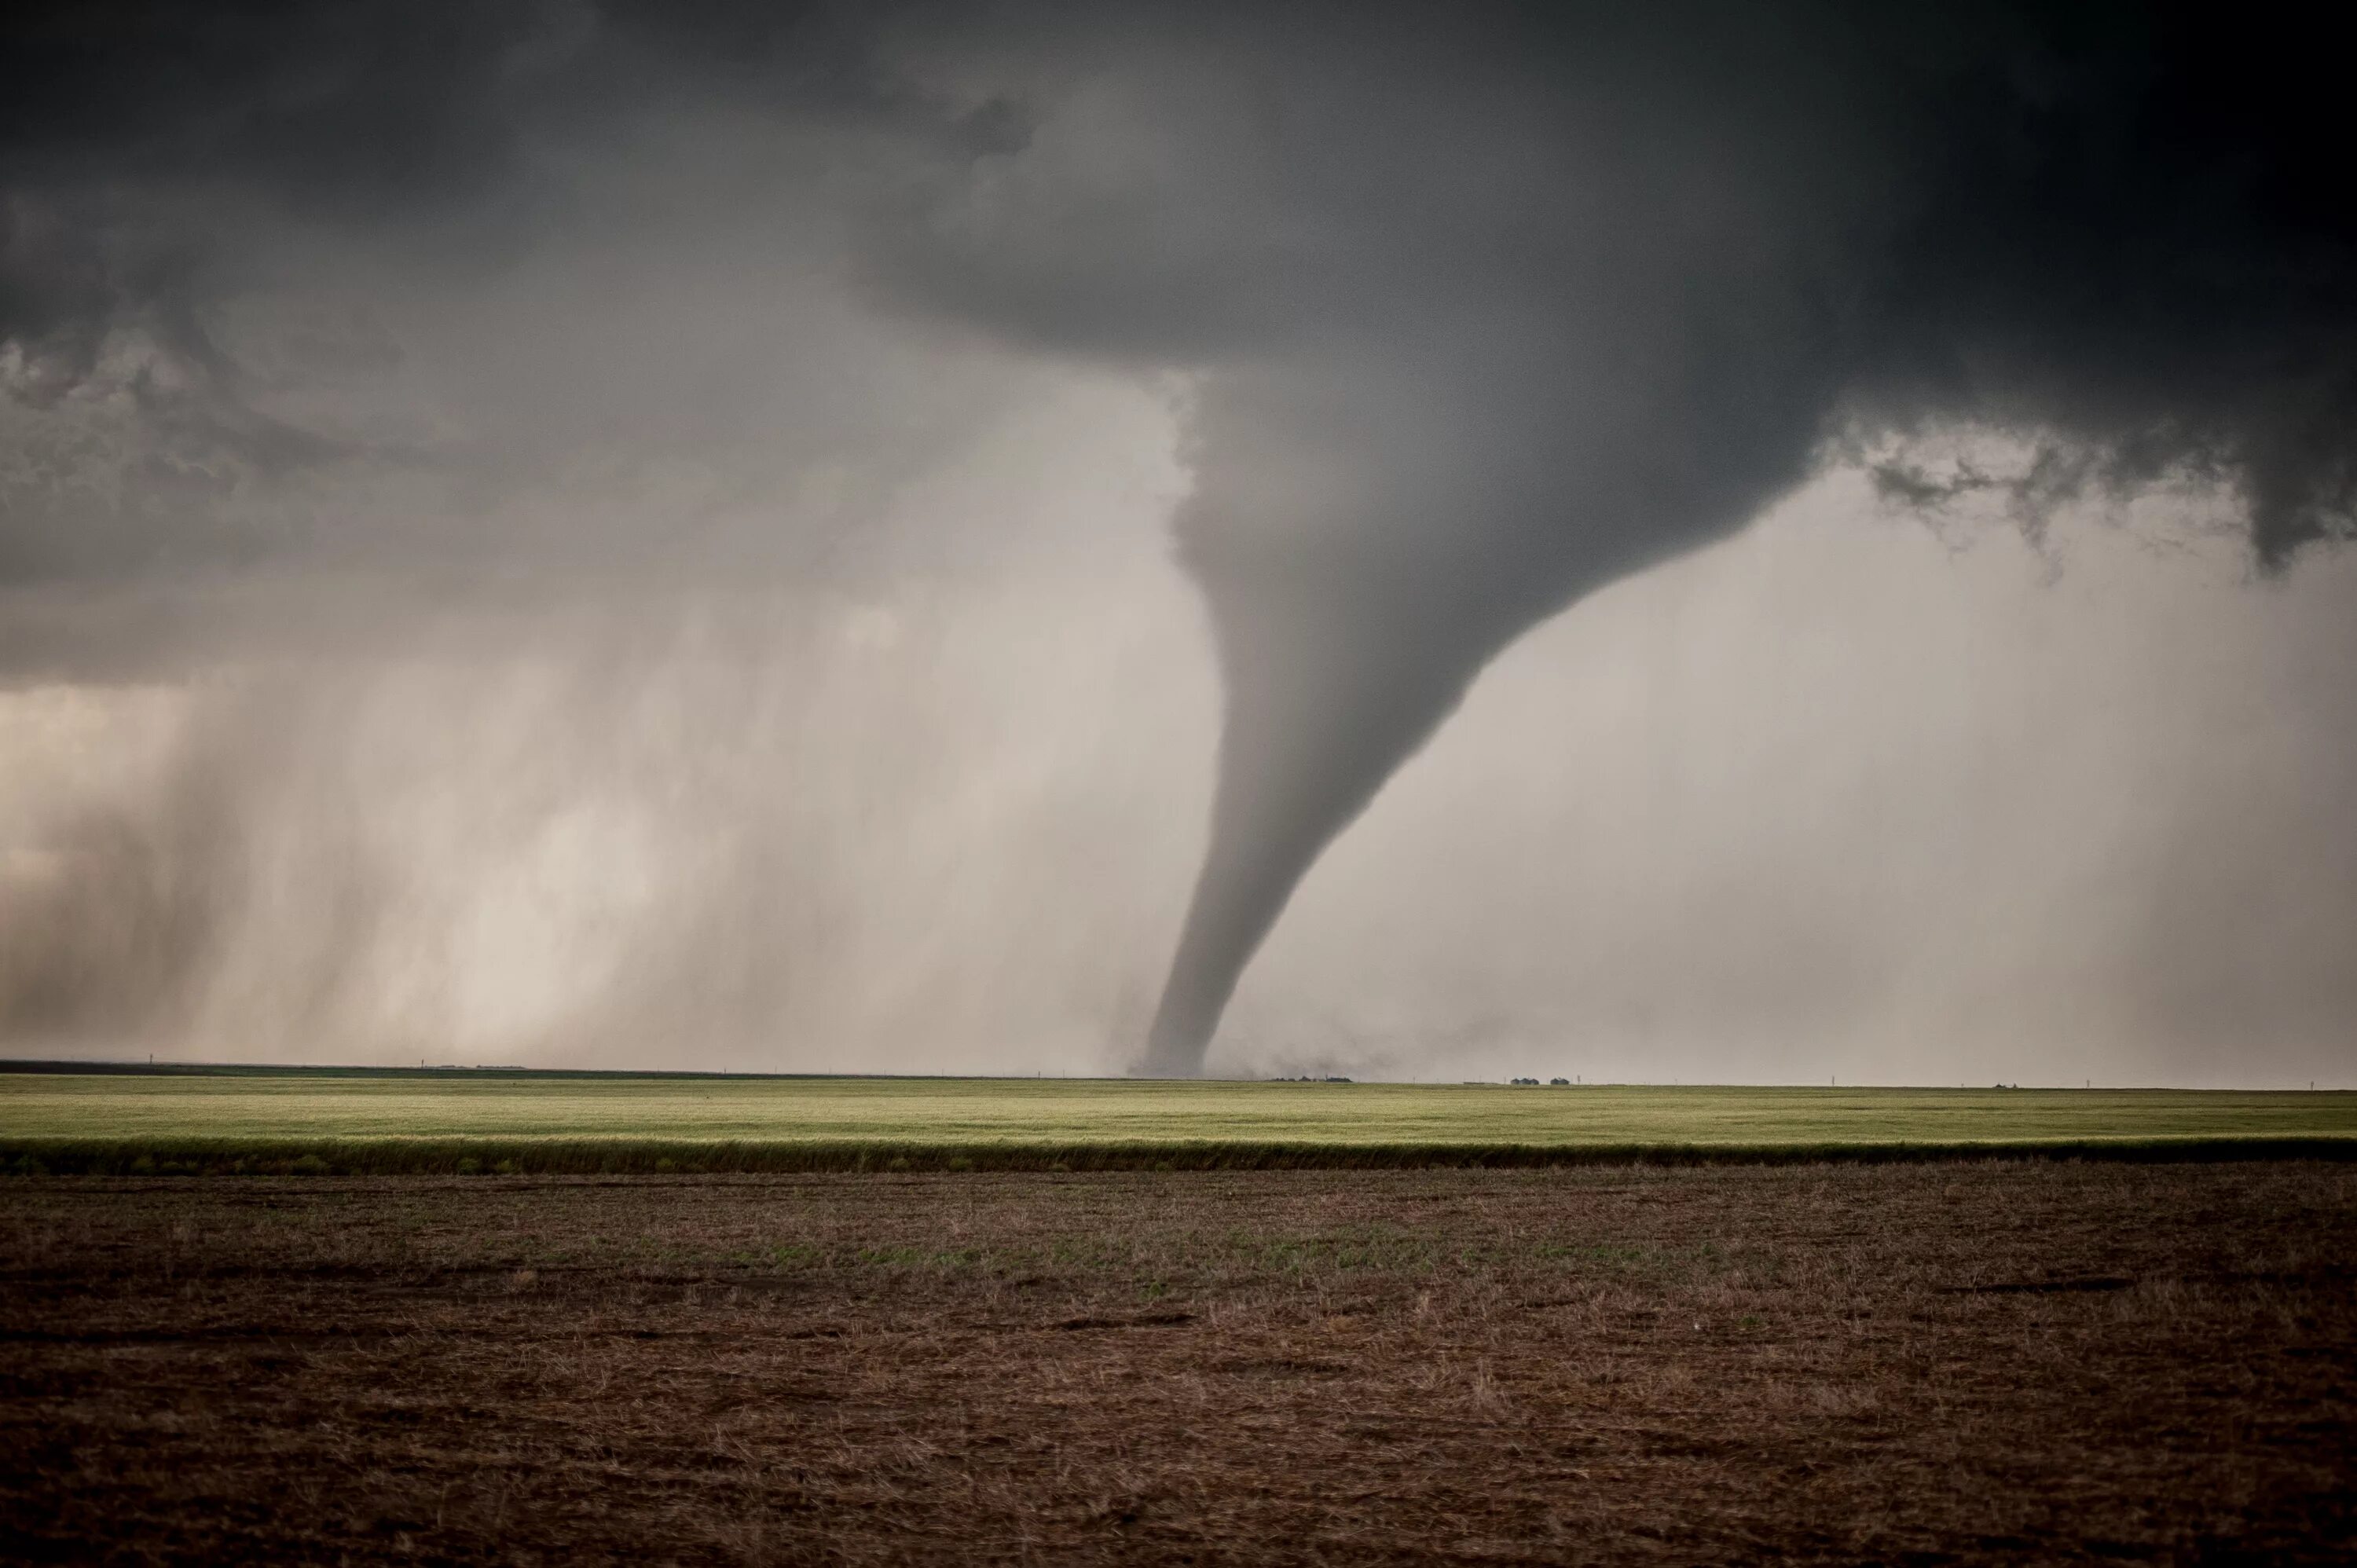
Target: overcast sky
(1725, 542)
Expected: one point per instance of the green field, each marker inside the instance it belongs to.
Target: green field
(586, 1123)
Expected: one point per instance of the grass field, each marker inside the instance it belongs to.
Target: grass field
(586, 1123)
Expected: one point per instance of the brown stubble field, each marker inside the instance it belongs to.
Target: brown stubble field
(1887, 1363)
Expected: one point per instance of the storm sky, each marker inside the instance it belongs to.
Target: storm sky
(1715, 542)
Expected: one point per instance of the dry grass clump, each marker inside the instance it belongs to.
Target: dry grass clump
(1842, 1363)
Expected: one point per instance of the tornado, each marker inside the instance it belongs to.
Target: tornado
(1365, 550)
(1320, 710)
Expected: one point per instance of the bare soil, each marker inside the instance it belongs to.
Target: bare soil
(1877, 1363)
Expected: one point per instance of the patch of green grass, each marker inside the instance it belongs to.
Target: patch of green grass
(296, 1123)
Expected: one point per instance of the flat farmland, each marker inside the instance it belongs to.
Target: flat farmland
(1930, 1362)
(550, 1122)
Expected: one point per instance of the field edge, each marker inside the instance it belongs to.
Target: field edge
(564, 1155)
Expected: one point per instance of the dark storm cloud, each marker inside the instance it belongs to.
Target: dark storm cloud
(111, 109)
(164, 168)
(1489, 305)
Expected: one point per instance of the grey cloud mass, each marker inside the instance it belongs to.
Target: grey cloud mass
(313, 315)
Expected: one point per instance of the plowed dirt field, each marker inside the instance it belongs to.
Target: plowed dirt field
(1859, 1363)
